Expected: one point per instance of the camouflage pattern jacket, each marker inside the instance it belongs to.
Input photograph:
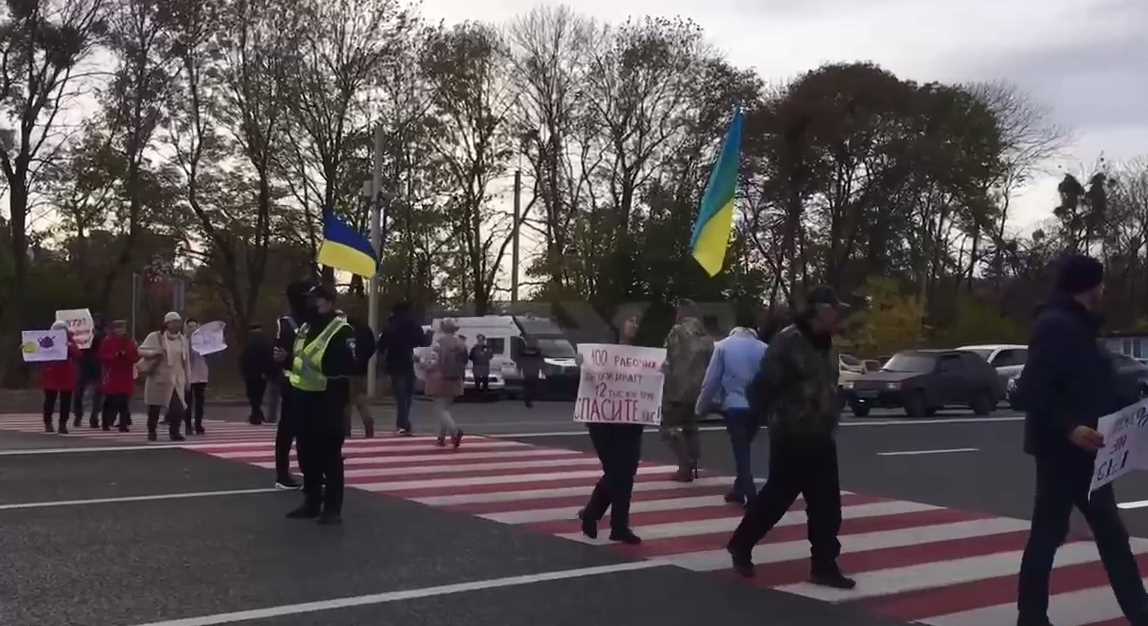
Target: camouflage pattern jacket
(688, 350)
(796, 387)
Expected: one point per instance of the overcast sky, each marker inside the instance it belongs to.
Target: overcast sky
(1085, 59)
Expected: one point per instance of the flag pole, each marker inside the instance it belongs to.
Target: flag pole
(376, 242)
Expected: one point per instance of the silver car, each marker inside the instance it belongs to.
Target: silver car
(1007, 359)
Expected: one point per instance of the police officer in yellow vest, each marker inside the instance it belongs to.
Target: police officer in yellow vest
(322, 359)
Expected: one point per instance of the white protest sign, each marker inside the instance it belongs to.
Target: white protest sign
(208, 339)
(620, 384)
(1125, 444)
(39, 346)
(80, 324)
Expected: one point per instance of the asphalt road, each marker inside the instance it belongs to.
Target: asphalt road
(147, 553)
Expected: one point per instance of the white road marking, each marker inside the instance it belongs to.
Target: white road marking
(710, 560)
(919, 452)
(462, 481)
(163, 496)
(1139, 504)
(409, 594)
(559, 492)
(470, 467)
(1086, 606)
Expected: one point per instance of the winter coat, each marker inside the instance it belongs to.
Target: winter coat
(197, 372)
(446, 347)
(364, 347)
(796, 388)
(162, 376)
(90, 358)
(61, 375)
(256, 361)
(480, 357)
(118, 355)
(688, 351)
(398, 341)
(530, 361)
(733, 366)
(1068, 380)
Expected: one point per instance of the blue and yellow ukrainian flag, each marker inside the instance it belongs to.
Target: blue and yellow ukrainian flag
(345, 249)
(715, 219)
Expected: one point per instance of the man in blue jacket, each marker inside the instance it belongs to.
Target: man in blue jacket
(1067, 385)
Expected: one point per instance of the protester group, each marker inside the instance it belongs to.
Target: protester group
(316, 362)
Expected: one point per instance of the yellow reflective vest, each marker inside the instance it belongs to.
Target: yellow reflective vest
(307, 363)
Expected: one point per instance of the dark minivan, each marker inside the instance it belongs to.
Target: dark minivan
(922, 381)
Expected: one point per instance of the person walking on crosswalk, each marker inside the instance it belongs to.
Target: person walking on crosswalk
(1068, 383)
(797, 391)
(445, 379)
(733, 366)
(165, 360)
(118, 354)
(322, 360)
(688, 350)
(619, 448)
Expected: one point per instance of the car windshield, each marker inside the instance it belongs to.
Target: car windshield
(850, 360)
(910, 362)
(984, 354)
(556, 348)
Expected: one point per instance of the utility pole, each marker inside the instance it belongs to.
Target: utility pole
(376, 208)
(514, 234)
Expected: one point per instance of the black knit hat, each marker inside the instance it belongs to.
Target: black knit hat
(1079, 273)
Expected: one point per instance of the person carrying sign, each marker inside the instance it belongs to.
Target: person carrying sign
(197, 386)
(321, 359)
(58, 380)
(1068, 383)
(619, 448)
(90, 377)
(796, 390)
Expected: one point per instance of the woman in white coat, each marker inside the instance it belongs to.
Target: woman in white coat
(165, 362)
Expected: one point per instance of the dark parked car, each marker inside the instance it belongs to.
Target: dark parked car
(922, 381)
(1131, 381)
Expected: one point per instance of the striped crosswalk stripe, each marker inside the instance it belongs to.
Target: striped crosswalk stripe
(913, 562)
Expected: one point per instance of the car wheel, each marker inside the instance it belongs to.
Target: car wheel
(1142, 392)
(915, 405)
(982, 405)
(860, 410)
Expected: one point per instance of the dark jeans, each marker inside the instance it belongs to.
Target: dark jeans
(809, 468)
(256, 388)
(1060, 485)
(742, 427)
(619, 447)
(82, 386)
(117, 406)
(320, 447)
(529, 389)
(403, 386)
(285, 432)
(50, 397)
(195, 405)
(175, 414)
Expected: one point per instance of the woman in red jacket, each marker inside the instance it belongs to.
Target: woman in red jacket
(118, 355)
(58, 380)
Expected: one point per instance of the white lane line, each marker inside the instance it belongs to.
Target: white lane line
(943, 574)
(511, 495)
(710, 560)
(728, 523)
(162, 496)
(1086, 606)
(35, 451)
(1139, 504)
(919, 452)
(409, 594)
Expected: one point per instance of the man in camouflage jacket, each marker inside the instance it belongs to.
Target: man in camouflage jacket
(796, 390)
(688, 350)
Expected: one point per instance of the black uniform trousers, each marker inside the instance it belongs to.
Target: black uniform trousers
(1061, 483)
(256, 387)
(619, 447)
(287, 430)
(320, 445)
(806, 466)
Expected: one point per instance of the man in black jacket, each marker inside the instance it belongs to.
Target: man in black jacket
(1067, 385)
(398, 341)
(287, 429)
(257, 366)
(364, 350)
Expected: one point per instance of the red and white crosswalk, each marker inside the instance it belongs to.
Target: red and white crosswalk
(913, 562)
(218, 431)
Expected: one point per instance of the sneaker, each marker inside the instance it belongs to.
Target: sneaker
(329, 519)
(626, 536)
(742, 562)
(93, 424)
(124, 429)
(287, 484)
(151, 436)
(199, 430)
(63, 429)
(178, 437)
(303, 512)
(735, 498)
(456, 440)
(106, 429)
(404, 432)
(441, 441)
(833, 578)
(48, 428)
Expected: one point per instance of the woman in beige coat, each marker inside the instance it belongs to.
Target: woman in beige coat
(445, 379)
(165, 362)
